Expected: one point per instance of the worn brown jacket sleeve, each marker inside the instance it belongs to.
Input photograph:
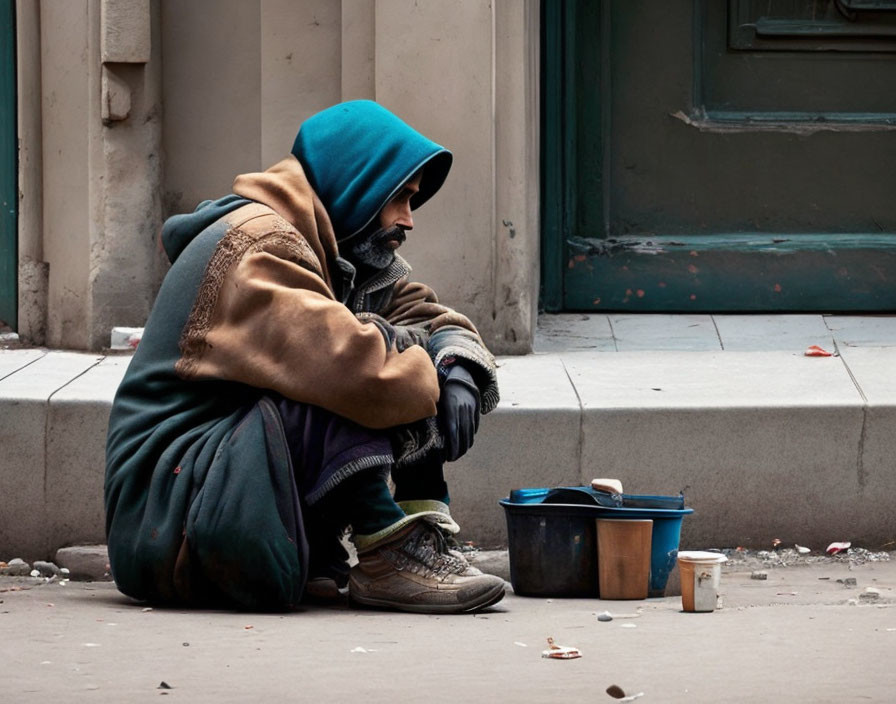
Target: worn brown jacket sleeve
(274, 324)
(446, 334)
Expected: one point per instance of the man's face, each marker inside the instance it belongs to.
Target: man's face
(377, 250)
(398, 210)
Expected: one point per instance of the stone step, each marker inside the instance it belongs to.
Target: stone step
(765, 444)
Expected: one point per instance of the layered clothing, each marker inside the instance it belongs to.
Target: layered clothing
(203, 500)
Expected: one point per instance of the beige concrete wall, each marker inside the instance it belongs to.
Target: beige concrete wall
(300, 68)
(33, 270)
(434, 69)
(211, 92)
(125, 267)
(70, 107)
(466, 74)
(225, 88)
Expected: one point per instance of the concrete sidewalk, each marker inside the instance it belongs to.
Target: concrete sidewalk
(765, 441)
(799, 636)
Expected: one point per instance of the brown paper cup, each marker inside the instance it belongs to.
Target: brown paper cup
(623, 558)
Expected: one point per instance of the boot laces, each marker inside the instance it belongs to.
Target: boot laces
(426, 552)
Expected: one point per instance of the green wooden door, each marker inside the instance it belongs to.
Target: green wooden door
(704, 155)
(8, 166)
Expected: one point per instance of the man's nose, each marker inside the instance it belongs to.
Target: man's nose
(405, 219)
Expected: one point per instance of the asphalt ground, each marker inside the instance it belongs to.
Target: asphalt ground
(798, 636)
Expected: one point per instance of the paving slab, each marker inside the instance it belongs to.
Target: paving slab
(762, 443)
(531, 439)
(573, 331)
(24, 396)
(664, 332)
(863, 330)
(13, 360)
(76, 431)
(792, 638)
(794, 333)
(873, 371)
(673, 380)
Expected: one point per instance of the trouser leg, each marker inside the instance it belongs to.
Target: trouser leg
(340, 470)
(421, 481)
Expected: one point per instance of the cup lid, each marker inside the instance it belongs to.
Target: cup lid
(701, 556)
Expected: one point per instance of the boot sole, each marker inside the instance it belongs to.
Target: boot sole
(488, 599)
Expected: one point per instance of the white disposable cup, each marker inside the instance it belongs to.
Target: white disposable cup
(701, 573)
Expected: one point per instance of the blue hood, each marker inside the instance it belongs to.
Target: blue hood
(357, 155)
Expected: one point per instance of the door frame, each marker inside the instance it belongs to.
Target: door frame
(8, 167)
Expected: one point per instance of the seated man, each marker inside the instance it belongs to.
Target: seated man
(287, 369)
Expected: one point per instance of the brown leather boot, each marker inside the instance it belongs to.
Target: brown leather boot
(413, 570)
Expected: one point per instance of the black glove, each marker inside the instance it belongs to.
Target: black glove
(458, 412)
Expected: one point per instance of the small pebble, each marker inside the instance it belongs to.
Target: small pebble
(47, 569)
(627, 625)
(759, 575)
(615, 691)
(34, 573)
(16, 567)
(605, 616)
(848, 581)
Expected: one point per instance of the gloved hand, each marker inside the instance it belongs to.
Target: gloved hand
(458, 412)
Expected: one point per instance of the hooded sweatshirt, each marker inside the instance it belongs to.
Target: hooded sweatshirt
(201, 500)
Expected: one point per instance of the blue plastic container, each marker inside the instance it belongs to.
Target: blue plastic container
(553, 546)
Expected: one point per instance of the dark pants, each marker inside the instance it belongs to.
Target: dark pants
(341, 470)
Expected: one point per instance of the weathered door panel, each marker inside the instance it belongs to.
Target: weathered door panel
(731, 178)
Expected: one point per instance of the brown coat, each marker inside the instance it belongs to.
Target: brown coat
(267, 315)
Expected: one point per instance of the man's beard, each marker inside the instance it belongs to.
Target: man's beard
(373, 251)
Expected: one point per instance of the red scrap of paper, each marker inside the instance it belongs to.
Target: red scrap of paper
(816, 351)
(834, 548)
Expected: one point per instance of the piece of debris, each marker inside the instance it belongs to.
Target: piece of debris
(848, 581)
(359, 649)
(627, 625)
(758, 574)
(164, 685)
(835, 548)
(870, 594)
(787, 593)
(802, 550)
(776, 543)
(560, 652)
(816, 351)
(522, 645)
(615, 691)
(605, 616)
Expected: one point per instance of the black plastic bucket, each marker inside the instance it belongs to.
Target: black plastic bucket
(553, 551)
(553, 547)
